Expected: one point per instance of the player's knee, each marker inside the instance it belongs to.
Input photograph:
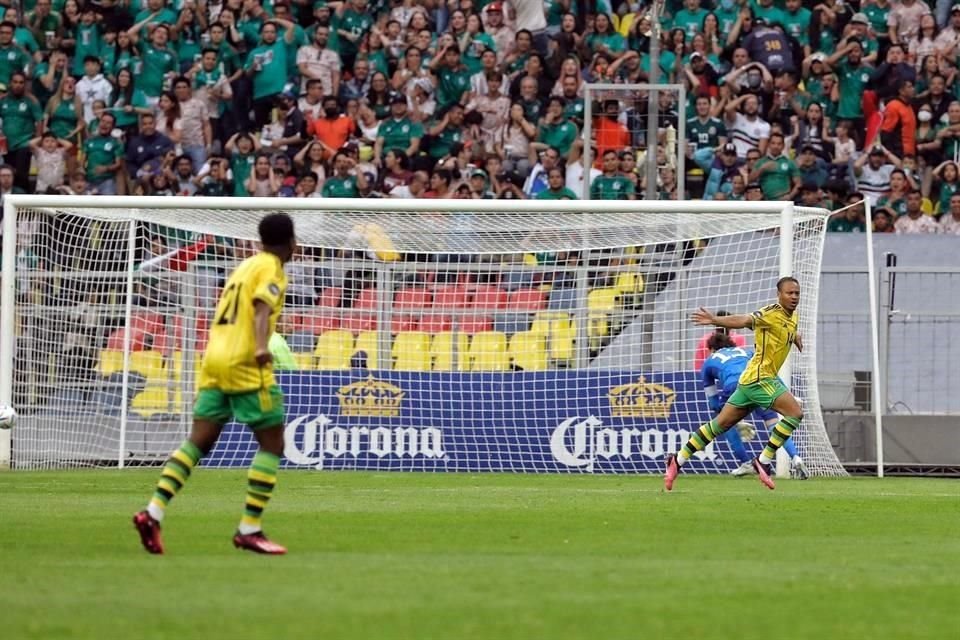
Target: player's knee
(798, 415)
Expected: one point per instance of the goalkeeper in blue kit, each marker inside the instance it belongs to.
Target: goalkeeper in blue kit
(720, 375)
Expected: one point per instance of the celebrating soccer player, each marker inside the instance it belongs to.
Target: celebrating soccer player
(236, 380)
(720, 375)
(775, 330)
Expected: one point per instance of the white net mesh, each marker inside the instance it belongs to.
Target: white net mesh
(530, 340)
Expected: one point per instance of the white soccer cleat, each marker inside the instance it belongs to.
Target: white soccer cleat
(746, 469)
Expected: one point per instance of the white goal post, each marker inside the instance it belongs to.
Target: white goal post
(430, 335)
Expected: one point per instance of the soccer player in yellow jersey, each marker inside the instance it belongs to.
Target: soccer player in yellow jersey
(775, 332)
(236, 381)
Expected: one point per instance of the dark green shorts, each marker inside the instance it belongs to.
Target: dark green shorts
(256, 409)
(758, 394)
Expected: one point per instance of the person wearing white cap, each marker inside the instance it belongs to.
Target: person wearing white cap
(859, 27)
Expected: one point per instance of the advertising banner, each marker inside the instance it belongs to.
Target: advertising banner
(552, 421)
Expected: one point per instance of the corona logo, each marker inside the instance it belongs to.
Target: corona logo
(641, 399)
(370, 397)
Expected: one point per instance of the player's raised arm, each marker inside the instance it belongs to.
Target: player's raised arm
(704, 317)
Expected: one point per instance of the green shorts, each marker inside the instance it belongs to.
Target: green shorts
(758, 394)
(256, 409)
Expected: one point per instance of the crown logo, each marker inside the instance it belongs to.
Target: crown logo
(370, 397)
(641, 399)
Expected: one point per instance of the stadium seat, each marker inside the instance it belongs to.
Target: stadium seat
(601, 303)
(318, 322)
(528, 350)
(304, 361)
(629, 282)
(475, 324)
(401, 322)
(359, 321)
(330, 297)
(488, 352)
(111, 361)
(444, 352)
(367, 342)
(138, 340)
(563, 336)
(526, 299)
(489, 297)
(436, 323)
(333, 350)
(367, 299)
(411, 351)
(543, 321)
(147, 321)
(413, 299)
(450, 296)
(158, 396)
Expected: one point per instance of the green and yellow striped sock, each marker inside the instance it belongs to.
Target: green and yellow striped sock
(175, 474)
(778, 436)
(261, 478)
(699, 440)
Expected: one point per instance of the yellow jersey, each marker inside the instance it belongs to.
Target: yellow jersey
(228, 362)
(774, 331)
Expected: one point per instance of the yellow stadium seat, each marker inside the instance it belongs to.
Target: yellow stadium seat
(488, 352)
(367, 342)
(563, 336)
(544, 320)
(442, 351)
(529, 351)
(411, 351)
(111, 361)
(304, 361)
(159, 395)
(333, 350)
(601, 302)
(629, 282)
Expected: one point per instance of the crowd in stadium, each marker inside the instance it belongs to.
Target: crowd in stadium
(821, 102)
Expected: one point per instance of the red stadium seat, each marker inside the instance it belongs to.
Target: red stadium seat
(319, 322)
(359, 321)
(435, 323)
(404, 322)
(526, 300)
(138, 340)
(147, 321)
(475, 324)
(413, 299)
(367, 299)
(451, 296)
(488, 296)
(330, 297)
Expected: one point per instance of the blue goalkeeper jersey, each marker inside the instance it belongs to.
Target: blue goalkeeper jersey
(720, 374)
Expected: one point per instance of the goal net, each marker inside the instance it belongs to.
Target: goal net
(422, 335)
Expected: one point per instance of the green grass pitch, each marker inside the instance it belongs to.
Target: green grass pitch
(483, 556)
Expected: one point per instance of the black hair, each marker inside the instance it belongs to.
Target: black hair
(276, 230)
(784, 280)
(720, 340)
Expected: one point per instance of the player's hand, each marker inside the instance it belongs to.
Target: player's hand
(702, 316)
(799, 342)
(263, 357)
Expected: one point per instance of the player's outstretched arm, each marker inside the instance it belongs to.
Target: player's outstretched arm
(704, 317)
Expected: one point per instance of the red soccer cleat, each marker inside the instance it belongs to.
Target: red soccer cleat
(673, 469)
(258, 543)
(765, 473)
(149, 530)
